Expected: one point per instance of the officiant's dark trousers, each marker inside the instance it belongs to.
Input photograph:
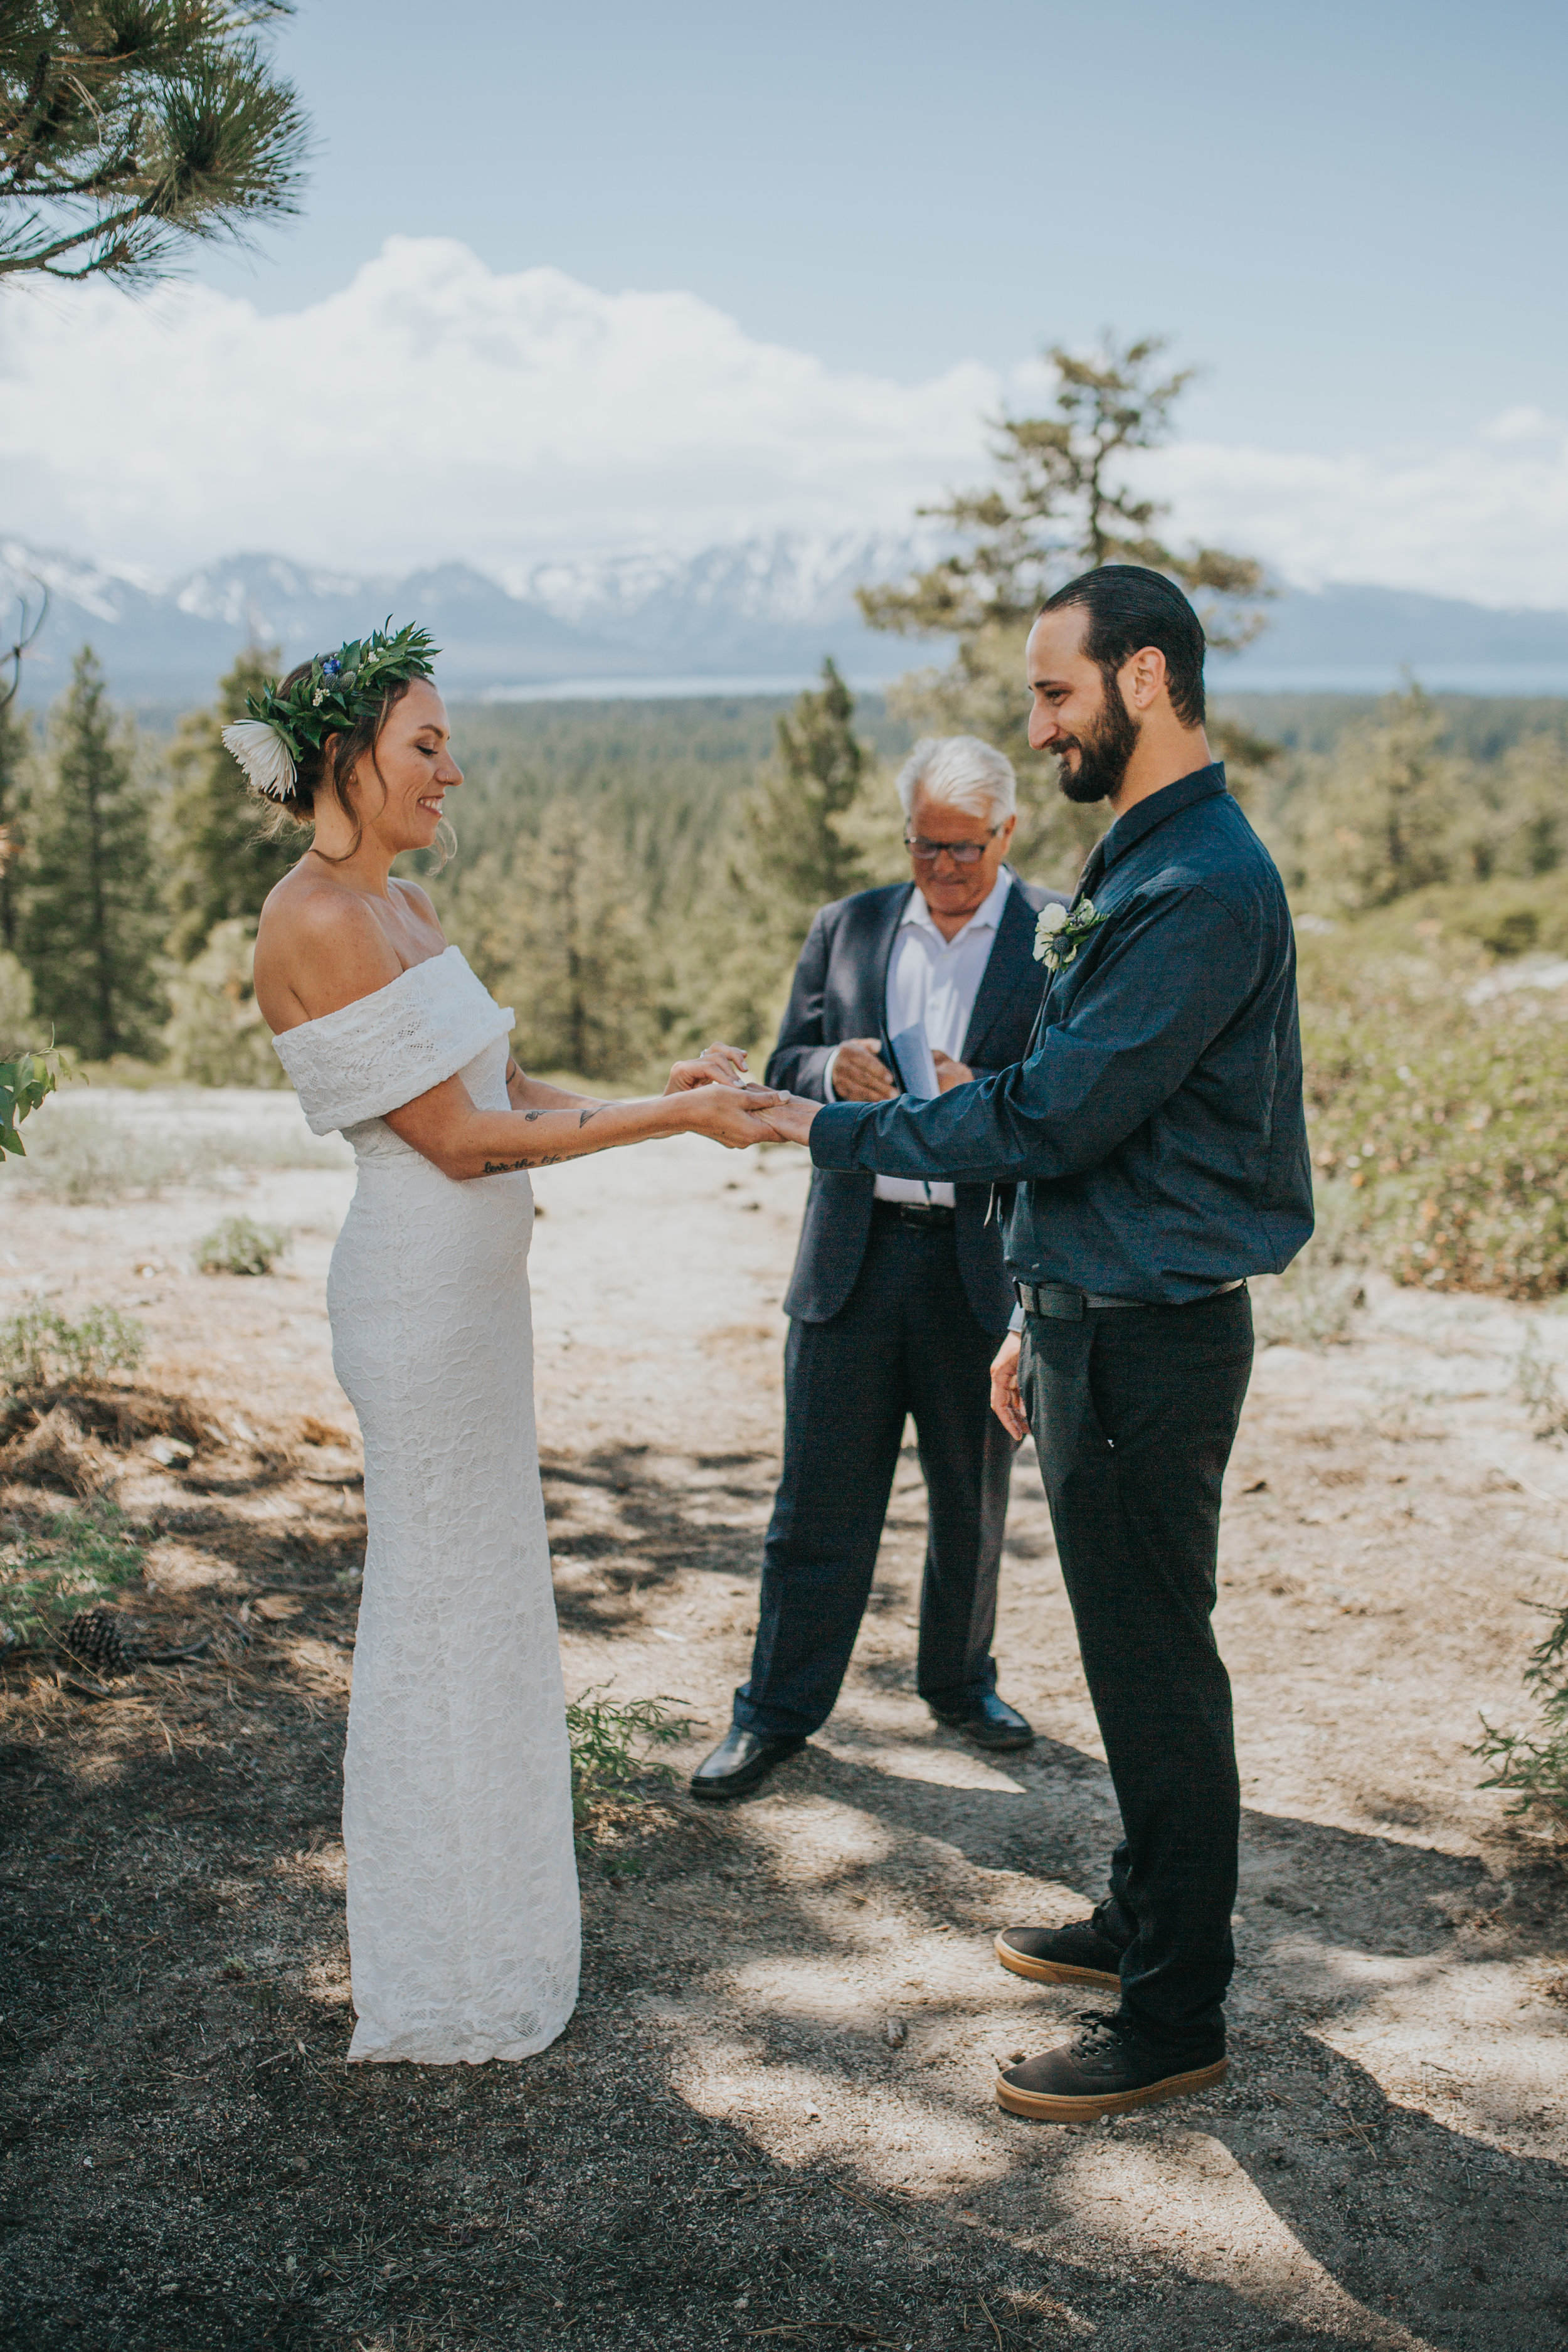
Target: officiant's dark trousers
(906, 1342)
(1134, 1410)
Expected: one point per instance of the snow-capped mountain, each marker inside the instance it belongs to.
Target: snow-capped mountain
(761, 611)
(764, 608)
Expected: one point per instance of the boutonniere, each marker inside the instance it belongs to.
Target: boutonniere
(1062, 930)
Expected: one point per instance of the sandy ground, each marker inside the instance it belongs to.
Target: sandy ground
(772, 2118)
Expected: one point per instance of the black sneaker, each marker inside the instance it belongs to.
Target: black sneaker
(1077, 1954)
(1106, 2068)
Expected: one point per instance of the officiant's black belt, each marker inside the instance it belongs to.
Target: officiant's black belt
(1062, 1304)
(915, 1213)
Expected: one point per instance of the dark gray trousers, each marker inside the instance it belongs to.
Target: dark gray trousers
(1134, 1412)
(905, 1342)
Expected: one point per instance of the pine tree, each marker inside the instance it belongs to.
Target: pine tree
(796, 855)
(216, 1036)
(558, 936)
(1065, 504)
(1386, 811)
(128, 129)
(795, 848)
(16, 757)
(222, 863)
(92, 922)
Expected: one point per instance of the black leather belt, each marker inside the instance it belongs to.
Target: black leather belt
(1062, 1304)
(916, 1213)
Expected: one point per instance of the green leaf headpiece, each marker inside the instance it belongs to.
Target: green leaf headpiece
(333, 696)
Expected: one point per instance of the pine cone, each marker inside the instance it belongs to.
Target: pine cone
(100, 1639)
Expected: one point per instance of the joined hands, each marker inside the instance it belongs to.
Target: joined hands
(736, 1111)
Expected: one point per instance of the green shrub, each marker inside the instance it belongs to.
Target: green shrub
(41, 1349)
(1536, 1765)
(609, 1740)
(1443, 1121)
(238, 1246)
(17, 1023)
(84, 1555)
(1535, 1381)
(216, 1036)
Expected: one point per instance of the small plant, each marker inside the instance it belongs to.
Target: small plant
(26, 1081)
(83, 1556)
(42, 1349)
(1535, 1383)
(1536, 1765)
(240, 1246)
(609, 1739)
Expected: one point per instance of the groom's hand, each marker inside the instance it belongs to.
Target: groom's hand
(1007, 1402)
(790, 1118)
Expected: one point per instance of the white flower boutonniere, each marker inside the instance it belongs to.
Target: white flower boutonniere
(1061, 931)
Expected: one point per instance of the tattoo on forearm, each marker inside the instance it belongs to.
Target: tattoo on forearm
(509, 1167)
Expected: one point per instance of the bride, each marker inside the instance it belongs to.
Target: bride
(462, 1889)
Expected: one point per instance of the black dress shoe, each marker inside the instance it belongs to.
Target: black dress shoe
(990, 1723)
(1106, 2068)
(1077, 1954)
(740, 1762)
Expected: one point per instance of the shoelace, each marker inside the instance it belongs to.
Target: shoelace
(1096, 2025)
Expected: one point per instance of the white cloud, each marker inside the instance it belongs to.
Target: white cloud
(434, 408)
(1485, 519)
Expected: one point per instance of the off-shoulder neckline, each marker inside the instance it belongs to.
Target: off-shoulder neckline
(343, 1012)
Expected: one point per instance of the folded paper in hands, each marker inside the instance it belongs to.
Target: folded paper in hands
(912, 1059)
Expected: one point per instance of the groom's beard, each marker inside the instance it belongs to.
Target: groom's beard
(1103, 751)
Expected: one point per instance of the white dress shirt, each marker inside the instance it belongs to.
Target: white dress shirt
(934, 982)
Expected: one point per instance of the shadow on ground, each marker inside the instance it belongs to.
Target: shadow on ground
(187, 2163)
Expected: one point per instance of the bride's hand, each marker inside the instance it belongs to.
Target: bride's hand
(720, 1065)
(736, 1117)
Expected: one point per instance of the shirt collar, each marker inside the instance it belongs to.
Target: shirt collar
(1202, 784)
(985, 918)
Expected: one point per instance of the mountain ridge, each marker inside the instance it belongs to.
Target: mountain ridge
(748, 613)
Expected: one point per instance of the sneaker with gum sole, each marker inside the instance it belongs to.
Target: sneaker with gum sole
(1077, 1954)
(1107, 2068)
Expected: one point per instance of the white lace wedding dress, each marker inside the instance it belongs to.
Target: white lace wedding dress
(462, 1888)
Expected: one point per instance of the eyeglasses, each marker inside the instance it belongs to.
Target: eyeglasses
(962, 853)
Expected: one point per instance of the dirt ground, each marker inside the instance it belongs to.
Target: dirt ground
(771, 2120)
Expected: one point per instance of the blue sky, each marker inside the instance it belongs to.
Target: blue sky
(602, 279)
(1353, 215)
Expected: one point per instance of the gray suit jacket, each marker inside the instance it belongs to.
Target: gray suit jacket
(841, 991)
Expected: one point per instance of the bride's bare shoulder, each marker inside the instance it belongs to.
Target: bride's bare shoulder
(318, 948)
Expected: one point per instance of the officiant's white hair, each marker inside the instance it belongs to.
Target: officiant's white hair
(961, 772)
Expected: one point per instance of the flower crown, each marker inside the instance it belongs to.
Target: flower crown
(337, 692)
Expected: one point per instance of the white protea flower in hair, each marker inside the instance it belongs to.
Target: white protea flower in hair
(264, 755)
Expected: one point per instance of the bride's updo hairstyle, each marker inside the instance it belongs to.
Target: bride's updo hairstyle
(328, 766)
(307, 733)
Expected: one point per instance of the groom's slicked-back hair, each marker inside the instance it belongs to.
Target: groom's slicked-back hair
(1129, 608)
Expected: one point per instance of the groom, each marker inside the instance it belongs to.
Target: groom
(1156, 1139)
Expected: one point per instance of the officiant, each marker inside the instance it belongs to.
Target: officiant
(898, 1298)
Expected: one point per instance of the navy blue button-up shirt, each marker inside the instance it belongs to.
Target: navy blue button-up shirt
(1155, 1131)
